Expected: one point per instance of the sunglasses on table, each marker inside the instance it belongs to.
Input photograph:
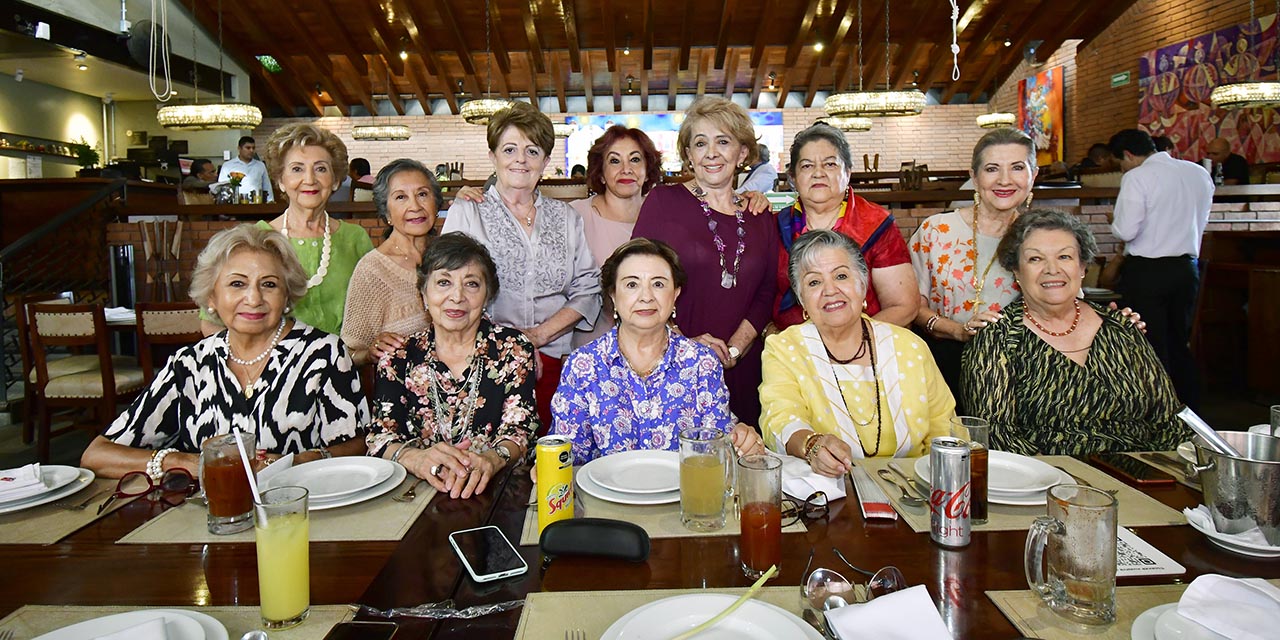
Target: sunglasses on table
(173, 488)
(814, 507)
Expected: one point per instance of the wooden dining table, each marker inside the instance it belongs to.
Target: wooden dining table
(89, 568)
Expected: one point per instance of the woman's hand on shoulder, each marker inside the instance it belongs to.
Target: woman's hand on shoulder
(745, 439)
(978, 322)
(384, 344)
(720, 348)
(470, 194)
(1130, 315)
(757, 203)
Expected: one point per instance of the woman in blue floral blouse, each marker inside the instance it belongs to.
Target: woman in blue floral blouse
(639, 385)
(454, 404)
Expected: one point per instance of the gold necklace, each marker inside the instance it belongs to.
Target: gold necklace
(979, 283)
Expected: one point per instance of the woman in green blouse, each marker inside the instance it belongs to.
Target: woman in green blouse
(1059, 375)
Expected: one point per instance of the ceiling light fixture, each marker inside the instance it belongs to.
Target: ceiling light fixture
(995, 119)
(817, 46)
(1008, 42)
(1248, 95)
(201, 117)
(563, 129)
(479, 111)
(626, 48)
(855, 124)
(377, 131)
(862, 103)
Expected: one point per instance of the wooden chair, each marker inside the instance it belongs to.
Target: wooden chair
(165, 323)
(59, 366)
(100, 388)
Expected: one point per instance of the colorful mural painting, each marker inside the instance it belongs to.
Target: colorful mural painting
(1040, 114)
(662, 128)
(1174, 83)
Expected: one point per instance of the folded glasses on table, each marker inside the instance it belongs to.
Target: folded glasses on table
(173, 488)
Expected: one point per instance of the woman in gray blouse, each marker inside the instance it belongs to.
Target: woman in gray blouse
(550, 283)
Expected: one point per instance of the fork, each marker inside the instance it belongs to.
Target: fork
(1078, 480)
(571, 634)
(74, 507)
(407, 496)
(7, 634)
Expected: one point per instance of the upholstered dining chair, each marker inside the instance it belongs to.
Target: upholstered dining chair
(58, 366)
(109, 381)
(165, 323)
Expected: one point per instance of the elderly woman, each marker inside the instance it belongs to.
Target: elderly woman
(842, 385)
(1055, 374)
(640, 384)
(308, 164)
(550, 282)
(383, 303)
(731, 257)
(454, 404)
(820, 162)
(291, 385)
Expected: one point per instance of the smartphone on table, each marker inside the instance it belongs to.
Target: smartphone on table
(1131, 469)
(487, 554)
(362, 631)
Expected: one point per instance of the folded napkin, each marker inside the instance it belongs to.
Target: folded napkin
(1204, 519)
(22, 482)
(909, 614)
(799, 481)
(1240, 608)
(117, 314)
(149, 630)
(282, 463)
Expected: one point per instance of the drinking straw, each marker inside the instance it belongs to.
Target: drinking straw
(733, 607)
(248, 470)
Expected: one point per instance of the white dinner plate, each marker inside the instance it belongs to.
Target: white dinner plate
(179, 624)
(333, 478)
(84, 478)
(639, 471)
(398, 474)
(1008, 474)
(1172, 625)
(1011, 499)
(669, 617)
(1144, 626)
(587, 484)
(1235, 546)
(54, 477)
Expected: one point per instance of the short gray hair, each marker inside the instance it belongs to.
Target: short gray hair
(1003, 135)
(1050, 219)
(821, 131)
(811, 242)
(455, 250)
(246, 237)
(382, 184)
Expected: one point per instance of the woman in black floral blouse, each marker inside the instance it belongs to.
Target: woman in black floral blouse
(455, 404)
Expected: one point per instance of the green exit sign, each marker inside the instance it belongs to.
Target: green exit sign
(1119, 79)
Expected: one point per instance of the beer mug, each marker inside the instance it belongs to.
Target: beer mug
(704, 478)
(1077, 543)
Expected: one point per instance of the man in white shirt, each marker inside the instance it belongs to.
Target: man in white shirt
(762, 176)
(1161, 214)
(255, 173)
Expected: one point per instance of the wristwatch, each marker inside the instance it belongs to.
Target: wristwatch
(503, 453)
(734, 353)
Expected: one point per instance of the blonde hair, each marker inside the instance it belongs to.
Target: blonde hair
(303, 134)
(245, 237)
(534, 124)
(727, 116)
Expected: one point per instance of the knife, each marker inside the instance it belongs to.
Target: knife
(898, 470)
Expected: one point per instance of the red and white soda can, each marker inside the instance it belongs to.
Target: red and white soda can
(949, 500)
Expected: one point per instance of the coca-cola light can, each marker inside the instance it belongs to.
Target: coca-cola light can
(949, 499)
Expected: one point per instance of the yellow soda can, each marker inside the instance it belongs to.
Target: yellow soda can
(555, 480)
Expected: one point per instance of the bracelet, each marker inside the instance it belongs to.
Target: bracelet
(324, 453)
(928, 326)
(808, 442)
(415, 443)
(812, 445)
(155, 466)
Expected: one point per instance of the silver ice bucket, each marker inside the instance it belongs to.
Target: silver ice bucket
(1242, 492)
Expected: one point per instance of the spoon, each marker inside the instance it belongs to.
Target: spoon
(254, 635)
(818, 623)
(907, 499)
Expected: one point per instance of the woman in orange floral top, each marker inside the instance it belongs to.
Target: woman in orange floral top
(963, 287)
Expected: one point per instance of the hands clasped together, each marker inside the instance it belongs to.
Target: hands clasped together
(454, 469)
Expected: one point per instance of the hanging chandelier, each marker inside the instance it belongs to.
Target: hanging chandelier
(845, 123)
(381, 132)
(203, 117)
(480, 110)
(996, 120)
(564, 129)
(875, 103)
(1248, 95)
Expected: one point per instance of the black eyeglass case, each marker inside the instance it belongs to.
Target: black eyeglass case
(595, 537)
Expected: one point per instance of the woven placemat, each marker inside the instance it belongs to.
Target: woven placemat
(49, 523)
(33, 620)
(1035, 619)
(1137, 509)
(379, 519)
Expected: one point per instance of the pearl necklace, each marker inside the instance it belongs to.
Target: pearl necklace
(323, 270)
(249, 363)
(1074, 323)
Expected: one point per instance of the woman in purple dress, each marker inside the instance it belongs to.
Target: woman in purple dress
(730, 255)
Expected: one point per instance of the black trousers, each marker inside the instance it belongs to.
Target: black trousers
(1164, 291)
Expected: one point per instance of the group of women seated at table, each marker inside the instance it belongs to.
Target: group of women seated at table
(622, 319)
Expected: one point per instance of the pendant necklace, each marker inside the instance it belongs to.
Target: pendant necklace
(461, 416)
(728, 279)
(248, 388)
(865, 347)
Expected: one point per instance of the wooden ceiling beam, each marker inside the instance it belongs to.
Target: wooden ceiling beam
(815, 82)
(730, 73)
(722, 36)
(571, 34)
(496, 43)
(557, 74)
(531, 33)
(973, 50)
(647, 14)
(673, 82)
(419, 84)
(264, 97)
(845, 79)
(757, 46)
(758, 85)
(334, 25)
(1057, 36)
(446, 86)
(410, 19)
(616, 82)
(874, 61)
(702, 73)
(847, 15)
(587, 87)
(1110, 14)
(686, 34)
(610, 36)
(906, 57)
(801, 37)
(393, 94)
(364, 89)
(939, 66)
(533, 80)
(644, 89)
(1036, 20)
(870, 48)
(238, 50)
(382, 37)
(788, 74)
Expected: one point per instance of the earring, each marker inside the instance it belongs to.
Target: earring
(673, 313)
(1029, 197)
(288, 309)
(616, 318)
(210, 310)
(805, 313)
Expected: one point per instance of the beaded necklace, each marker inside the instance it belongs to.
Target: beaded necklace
(728, 279)
(1074, 323)
(980, 283)
(863, 348)
(471, 387)
(248, 387)
(323, 270)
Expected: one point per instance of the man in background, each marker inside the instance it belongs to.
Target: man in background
(202, 175)
(255, 173)
(1160, 214)
(1228, 168)
(762, 175)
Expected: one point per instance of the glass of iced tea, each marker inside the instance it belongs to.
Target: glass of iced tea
(226, 487)
(1071, 554)
(704, 478)
(977, 432)
(760, 503)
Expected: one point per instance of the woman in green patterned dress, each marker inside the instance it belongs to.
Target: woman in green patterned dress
(1059, 375)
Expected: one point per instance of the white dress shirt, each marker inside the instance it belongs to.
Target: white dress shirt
(1163, 207)
(255, 176)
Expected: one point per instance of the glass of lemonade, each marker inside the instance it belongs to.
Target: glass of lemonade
(704, 478)
(284, 571)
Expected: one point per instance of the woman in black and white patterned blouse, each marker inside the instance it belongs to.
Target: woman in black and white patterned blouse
(291, 385)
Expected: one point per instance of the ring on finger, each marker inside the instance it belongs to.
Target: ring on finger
(435, 471)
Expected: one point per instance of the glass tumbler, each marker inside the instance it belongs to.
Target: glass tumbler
(977, 432)
(704, 478)
(760, 502)
(226, 487)
(282, 529)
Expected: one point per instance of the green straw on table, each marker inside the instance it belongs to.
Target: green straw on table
(733, 607)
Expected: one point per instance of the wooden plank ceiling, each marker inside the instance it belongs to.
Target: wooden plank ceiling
(343, 53)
